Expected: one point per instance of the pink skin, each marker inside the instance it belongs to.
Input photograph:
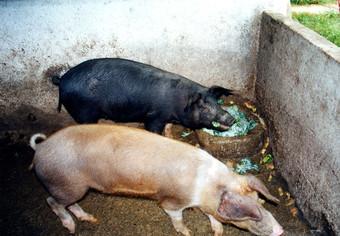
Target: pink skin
(133, 162)
(225, 127)
(277, 230)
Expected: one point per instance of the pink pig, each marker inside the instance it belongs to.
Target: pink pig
(127, 161)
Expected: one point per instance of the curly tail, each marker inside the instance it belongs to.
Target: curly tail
(34, 138)
(33, 145)
(56, 81)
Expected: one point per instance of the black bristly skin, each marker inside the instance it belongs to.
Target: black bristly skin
(127, 91)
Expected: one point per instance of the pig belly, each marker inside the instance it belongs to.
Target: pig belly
(115, 166)
(151, 180)
(131, 181)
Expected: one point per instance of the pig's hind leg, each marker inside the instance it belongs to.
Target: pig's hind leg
(81, 214)
(155, 126)
(65, 217)
(67, 197)
(83, 113)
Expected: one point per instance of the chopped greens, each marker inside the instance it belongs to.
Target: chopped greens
(244, 166)
(220, 101)
(269, 158)
(185, 134)
(239, 128)
(215, 124)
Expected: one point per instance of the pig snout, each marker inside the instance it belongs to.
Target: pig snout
(228, 120)
(277, 230)
(225, 122)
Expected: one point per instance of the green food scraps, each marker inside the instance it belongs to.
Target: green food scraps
(220, 101)
(185, 134)
(267, 159)
(245, 166)
(239, 128)
(215, 124)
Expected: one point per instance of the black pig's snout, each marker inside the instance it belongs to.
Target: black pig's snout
(230, 121)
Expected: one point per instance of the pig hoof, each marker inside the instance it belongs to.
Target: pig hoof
(81, 214)
(70, 225)
(89, 218)
(185, 232)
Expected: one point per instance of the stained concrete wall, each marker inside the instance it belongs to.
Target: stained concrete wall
(298, 87)
(211, 42)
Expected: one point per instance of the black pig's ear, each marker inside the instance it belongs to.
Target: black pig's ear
(257, 185)
(236, 207)
(193, 99)
(219, 91)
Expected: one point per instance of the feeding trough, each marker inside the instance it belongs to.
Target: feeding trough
(235, 148)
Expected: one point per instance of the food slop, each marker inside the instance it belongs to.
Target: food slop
(241, 126)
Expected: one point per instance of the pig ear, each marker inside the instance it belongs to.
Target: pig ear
(219, 91)
(257, 185)
(193, 99)
(236, 207)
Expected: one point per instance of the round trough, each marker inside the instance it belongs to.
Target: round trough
(234, 148)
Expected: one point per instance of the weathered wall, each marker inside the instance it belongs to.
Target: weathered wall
(211, 42)
(298, 86)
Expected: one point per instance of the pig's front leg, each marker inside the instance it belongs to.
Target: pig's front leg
(177, 221)
(168, 130)
(216, 226)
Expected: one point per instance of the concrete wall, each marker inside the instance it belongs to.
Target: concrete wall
(298, 87)
(211, 42)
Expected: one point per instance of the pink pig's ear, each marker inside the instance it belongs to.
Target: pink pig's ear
(257, 185)
(236, 207)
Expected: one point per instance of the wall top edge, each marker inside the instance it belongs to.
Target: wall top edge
(314, 38)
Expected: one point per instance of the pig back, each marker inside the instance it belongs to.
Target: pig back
(117, 159)
(106, 87)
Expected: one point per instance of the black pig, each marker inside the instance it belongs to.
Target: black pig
(128, 91)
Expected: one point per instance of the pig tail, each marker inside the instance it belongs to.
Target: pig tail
(33, 145)
(34, 138)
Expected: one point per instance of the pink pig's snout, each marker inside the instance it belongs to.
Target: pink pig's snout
(277, 230)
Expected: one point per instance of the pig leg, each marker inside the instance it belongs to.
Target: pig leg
(87, 118)
(168, 130)
(82, 114)
(177, 221)
(155, 126)
(81, 214)
(216, 226)
(64, 216)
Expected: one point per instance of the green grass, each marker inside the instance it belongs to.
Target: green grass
(325, 24)
(306, 2)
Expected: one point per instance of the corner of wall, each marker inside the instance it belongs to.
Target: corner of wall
(297, 85)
